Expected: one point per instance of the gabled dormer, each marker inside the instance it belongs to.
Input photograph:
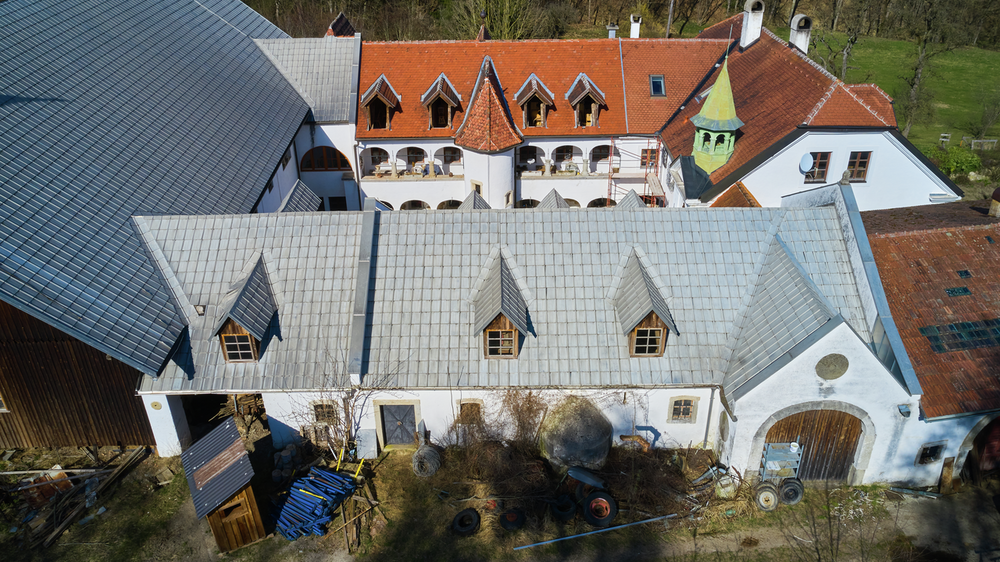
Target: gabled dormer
(501, 311)
(586, 99)
(534, 100)
(379, 101)
(642, 312)
(441, 100)
(246, 314)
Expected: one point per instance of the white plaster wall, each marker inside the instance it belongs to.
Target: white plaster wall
(494, 171)
(433, 192)
(889, 445)
(339, 136)
(895, 177)
(282, 182)
(169, 425)
(631, 411)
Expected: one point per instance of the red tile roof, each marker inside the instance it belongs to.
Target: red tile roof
(488, 125)
(683, 63)
(776, 89)
(876, 99)
(736, 196)
(411, 68)
(953, 342)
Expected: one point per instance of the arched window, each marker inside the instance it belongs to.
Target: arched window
(707, 141)
(526, 204)
(601, 153)
(452, 154)
(387, 205)
(414, 206)
(449, 204)
(602, 202)
(379, 156)
(528, 155)
(414, 155)
(324, 159)
(563, 154)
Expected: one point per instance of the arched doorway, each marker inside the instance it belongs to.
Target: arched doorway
(984, 455)
(829, 441)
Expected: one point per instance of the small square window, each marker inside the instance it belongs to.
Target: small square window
(858, 166)
(239, 347)
(821, 163)
(647, 157)
(477, 186)
(470, 413)
(682, 410)
(656, 87)
(931, 452)
(500, 343)
(647, 341)
(964, 273)
(326, 413)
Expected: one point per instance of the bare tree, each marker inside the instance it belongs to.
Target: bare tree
(988, 100)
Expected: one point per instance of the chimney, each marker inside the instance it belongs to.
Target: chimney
(995, 203)
(636, 22)
(753, 20)
(612, 30)
(801, 31)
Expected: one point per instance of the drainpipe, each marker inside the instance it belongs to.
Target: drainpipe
(708, 419)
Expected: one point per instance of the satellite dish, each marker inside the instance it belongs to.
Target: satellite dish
(806, 164)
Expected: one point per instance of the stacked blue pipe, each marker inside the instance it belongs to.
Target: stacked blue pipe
(311, 501)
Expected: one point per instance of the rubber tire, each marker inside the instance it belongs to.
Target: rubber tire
(564, 508)
(512, 519)
(466, 523)
(791, 491)
(582, 489)
(765, 495)
(600, 509)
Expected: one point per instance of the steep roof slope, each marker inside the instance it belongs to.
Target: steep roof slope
(323, 70)
(112, 107)
(413, 66)
(422, 302)
(939, 265)
(776, 89)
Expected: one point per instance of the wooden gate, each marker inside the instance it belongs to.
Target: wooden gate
(829, 439)
(399, 422)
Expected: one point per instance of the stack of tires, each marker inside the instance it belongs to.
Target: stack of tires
(767, 495)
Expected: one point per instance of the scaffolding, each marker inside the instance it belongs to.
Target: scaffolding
(652, 191)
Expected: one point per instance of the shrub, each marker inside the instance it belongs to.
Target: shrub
(958, 160)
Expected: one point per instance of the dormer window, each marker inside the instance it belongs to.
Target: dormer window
(656, 87)
(500, 339)
(238, 345)
(648, 337)
(440, 100)
(378, 102)
(534, 99)
(586, 99)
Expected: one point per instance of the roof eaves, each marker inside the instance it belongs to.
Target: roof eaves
(751, 164)
(375, 88)
(451, 96)
(588, 87)
(537, 86)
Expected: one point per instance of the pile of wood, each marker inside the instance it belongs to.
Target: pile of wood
(248, 412)
(43, 525)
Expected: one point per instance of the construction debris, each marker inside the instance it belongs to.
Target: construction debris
(311, 502)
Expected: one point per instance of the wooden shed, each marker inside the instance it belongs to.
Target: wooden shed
(218, 473)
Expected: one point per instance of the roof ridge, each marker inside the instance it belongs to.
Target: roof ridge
(863, 104)
(803, 56)
(819, 105)
(940, 230)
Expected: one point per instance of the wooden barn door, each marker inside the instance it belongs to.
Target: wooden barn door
(829, 440)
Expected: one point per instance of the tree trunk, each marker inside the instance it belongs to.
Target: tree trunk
(913, 97)
(791, 13)
(670, 18)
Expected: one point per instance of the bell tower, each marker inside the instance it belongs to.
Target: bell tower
(716, 125)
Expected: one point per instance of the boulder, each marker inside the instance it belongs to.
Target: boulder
(576, 433)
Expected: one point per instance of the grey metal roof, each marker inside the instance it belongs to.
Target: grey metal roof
(784, 308)
(227, 482)
(250, 303)
(423, 272)
(497, 292)
(108, 108)
(300, 199)
(324, 71)
(630, 201)
(638, 295)
(474, 202)
(553, 201)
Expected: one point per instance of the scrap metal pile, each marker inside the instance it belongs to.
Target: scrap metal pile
(311, 501)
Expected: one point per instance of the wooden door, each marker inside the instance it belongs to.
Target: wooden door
(399, 423)
(828, 438)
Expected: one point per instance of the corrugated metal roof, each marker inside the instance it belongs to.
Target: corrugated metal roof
(785, 307)
(233, 476)
(109, 108)
(324, 71)
(422, 325)
(301, 199)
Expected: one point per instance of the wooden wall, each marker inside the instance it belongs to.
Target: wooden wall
(61, 392)
(828, 438)
(237, 522)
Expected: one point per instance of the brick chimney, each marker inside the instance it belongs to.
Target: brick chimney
(800, 33)
(753, 21)
(635, 22)
(612, 30)
(995, 203)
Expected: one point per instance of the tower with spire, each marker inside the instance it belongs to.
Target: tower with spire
(716, 125)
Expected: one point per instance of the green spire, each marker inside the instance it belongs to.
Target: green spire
(715, 125)
(719, 111)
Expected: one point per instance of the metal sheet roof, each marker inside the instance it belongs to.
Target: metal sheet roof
(251, 302)
(324, 71)
(234, 473)
(109, 108)
(422, 326)
(301, 199)
(553, 201)
(474, 202)
(638, 295)
(498, 293)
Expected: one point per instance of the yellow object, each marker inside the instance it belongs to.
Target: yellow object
(719, 111)
(311, 494)
(358, 471)
(340, 458)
